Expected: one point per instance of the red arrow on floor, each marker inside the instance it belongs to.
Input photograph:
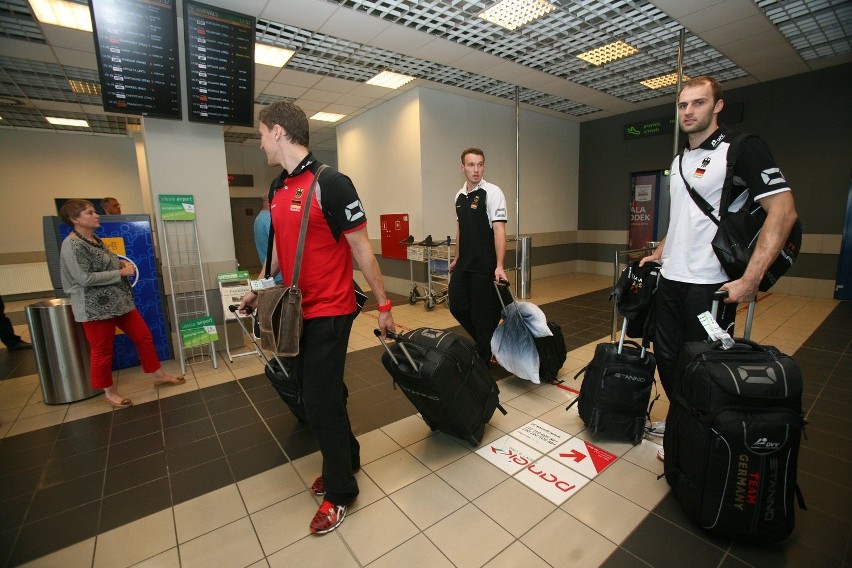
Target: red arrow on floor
(575, 455)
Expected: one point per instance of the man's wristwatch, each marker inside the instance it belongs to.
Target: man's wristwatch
(386, 307)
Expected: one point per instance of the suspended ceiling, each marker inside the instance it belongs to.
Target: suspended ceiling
(339, 44)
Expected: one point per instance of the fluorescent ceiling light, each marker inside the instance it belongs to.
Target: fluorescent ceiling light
(390, 80)
(85, 88)
(512, 14)
(662, 81)
(271, 55)
(609, 52)
(67, 122)
(327, 116)
(62, 13)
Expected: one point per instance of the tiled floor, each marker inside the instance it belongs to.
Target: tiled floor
(215, 472)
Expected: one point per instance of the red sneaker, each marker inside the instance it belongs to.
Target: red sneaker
(328, 517)
(318, 486)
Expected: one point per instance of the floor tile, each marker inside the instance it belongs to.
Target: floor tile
(234, 545)
(633, 483)
(208, 512)
(136, 541)
(285, 522)
(359, 530)
(606, 512)
(514, 506)
(395, 471)
(517, 554)
(407, 431)
(75, 556)
(428, 500)
(270, 487)
(418, 552)
(660, 543)
(560, 539)
(472, 476)
(314, 552)
(455, 534)
(439, 450)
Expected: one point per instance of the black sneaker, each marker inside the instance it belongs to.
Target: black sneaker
(407, 241)
(427, 242)
(20, 346)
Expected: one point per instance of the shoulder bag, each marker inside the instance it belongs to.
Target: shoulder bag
(738, 232)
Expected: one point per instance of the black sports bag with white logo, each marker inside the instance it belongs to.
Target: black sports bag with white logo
(616, 389)
(732, 439)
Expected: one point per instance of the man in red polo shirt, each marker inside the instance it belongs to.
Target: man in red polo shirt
(337, 231)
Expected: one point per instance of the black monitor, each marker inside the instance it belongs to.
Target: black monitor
(136, 44)
(219, 64)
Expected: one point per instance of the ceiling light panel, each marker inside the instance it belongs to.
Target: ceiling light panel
(17, 22)
(815, 28)
(322, 54)
(512, 14)
(550, 44)
(46, 81)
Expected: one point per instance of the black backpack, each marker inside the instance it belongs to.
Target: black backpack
(634, 297)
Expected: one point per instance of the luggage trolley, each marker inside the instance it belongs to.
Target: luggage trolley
(437, 257)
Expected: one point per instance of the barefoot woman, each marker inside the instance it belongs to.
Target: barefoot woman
(95, 280)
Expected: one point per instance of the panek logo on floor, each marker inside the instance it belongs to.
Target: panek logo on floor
(517, 458)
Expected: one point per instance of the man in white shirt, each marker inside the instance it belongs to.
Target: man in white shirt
(691, 273)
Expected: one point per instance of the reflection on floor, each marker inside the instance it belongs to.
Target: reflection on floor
(215, 472)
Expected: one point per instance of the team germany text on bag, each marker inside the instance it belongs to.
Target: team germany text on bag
(732, 439)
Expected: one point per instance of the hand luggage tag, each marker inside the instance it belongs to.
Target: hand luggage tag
(714, 332)
(262, 284)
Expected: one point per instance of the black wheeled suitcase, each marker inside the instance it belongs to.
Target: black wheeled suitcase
(732, 438)
(280, 373)
(443, 377)
(616, 389)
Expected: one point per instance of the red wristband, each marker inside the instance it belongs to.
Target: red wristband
(386, 307)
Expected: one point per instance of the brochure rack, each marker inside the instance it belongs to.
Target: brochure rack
(196, 328)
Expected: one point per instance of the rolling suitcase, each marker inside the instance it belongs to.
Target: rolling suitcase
(551, 349)
(616, 388)
(279, 372)
(732, 437)
(443, 377)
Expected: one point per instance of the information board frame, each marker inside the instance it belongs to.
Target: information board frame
(209, 84)
(125, 37)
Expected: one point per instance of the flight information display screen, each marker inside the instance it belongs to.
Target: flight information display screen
(219, 64)
(136, 44)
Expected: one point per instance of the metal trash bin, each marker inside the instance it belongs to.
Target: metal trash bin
(61, 352)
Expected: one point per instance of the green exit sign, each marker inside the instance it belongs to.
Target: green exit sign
(648, 128)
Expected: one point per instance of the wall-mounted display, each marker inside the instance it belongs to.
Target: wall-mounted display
(219, 64)
(136, 44)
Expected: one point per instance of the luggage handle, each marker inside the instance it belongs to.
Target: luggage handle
(504, 284)
(250, 311)
(395, 337)
(720, 295)
(621, 339)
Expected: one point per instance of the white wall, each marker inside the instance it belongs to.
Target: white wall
(37, 167)
(380, 151)
(404, 157)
